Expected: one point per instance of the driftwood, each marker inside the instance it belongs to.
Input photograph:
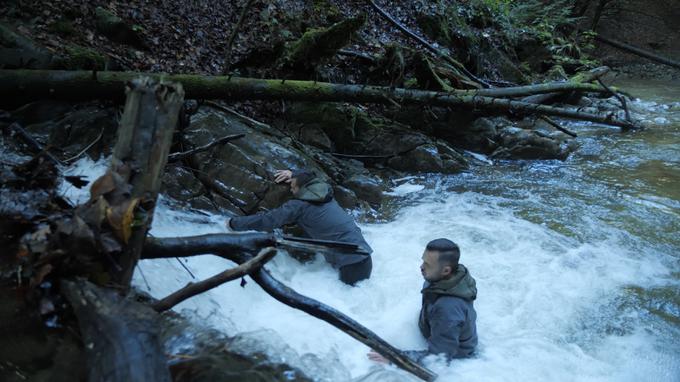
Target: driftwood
(192, 289)
(226, 246)
(637, 51)
(88, 85)
(139, 156)
(120, 336)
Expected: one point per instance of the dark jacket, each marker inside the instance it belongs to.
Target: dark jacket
(448, 317)
(315, 211)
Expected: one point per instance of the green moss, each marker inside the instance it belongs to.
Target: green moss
(62, 27)
(327, 9)
(79, 57)
(318, 43)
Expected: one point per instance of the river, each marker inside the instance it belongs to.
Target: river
(577, 265)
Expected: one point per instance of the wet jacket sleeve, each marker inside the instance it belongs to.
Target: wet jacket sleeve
(446, 321)
(288, 213)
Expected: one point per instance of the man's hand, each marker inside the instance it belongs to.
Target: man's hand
(375, 357)
(283, 176)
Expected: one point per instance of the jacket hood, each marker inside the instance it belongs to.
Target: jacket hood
(460, 285)
(315, 191)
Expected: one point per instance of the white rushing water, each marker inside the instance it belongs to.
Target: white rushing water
(548, 304)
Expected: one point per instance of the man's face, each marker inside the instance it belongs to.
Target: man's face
(294, 188)
(431, 270)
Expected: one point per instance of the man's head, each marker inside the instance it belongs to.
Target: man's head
(299, 179)
(440, 260)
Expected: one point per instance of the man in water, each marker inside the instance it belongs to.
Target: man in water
(447, 317)
(315, 211)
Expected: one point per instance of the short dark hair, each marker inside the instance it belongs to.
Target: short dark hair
(303, 177)
(449, 253)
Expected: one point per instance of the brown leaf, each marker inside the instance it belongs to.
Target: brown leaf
(103, 185)
(121, 217)
(94, 211)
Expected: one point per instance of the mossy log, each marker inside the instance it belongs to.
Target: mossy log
(316, 44)
(580, 78)
(84, 85)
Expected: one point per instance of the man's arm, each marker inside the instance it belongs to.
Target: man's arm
(288, 213)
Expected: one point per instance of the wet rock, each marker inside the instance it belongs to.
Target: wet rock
(366, 187)
(73, 132)
(315, 136)
(517, 143)
(240, 173)
(428, 158)
(335, 121)
(345, 197)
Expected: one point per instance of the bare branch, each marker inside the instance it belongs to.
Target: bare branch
(192, 289)
(179, 156)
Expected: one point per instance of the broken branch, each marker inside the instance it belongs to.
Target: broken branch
(178, 156)
(192, 289)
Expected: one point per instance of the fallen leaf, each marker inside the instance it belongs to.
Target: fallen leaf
(121, 218)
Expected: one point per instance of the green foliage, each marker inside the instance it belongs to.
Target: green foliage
(551, 23)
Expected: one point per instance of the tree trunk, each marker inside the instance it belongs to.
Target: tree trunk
(120, 335)
(140, 154)
(80, 85)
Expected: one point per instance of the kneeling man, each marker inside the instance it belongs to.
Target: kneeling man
(314, 209)
(447, 317)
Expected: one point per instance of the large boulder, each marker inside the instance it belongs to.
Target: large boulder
(518, 143)
(68, 131)
(242, 171)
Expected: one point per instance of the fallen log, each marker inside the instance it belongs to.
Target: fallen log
(193, 289)
(580, 78)
(211, 244)
(637, 51)
(157, 248)
(82, 85)
(120, 335)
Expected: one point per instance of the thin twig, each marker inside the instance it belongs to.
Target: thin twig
(192, 289)
(69, 160)
(28, 139)
(235, 113)
(557, 126)
(618, 96)
(179, 156)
